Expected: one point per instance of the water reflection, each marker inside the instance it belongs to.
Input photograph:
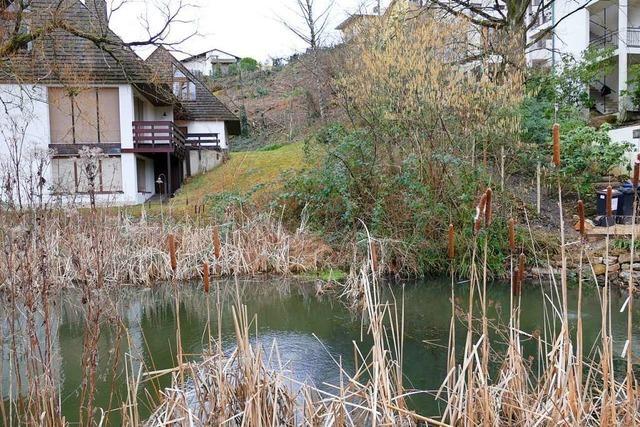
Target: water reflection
(314, 335)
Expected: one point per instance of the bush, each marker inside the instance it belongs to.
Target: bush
(588, 154)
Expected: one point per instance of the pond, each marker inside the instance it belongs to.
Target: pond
(313, 333)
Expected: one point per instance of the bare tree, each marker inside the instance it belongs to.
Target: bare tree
(513, 17)
(314, 23)
(312, 30)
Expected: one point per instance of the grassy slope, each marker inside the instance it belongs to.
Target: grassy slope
(243, 172)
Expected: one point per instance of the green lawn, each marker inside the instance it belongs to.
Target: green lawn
(240, 174)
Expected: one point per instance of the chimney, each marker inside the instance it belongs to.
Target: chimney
(98, 8)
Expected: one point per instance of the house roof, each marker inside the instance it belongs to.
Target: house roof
(353, 19)
(206, 106)
(204, 55)
(66, 55)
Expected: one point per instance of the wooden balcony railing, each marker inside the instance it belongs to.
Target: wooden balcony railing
(203, 141)
(158, 137)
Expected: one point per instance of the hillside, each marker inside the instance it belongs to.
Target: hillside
(281, 103)
(248, 171)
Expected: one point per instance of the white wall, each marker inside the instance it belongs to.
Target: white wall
(24, 134)
(205, 160)
(572, 34)
(210, 127)
(625, 134)
(202, 66)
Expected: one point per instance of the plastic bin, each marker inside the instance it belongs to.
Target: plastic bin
(601, 206)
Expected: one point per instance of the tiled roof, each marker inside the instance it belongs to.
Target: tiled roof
(63, 57)
(206, 105)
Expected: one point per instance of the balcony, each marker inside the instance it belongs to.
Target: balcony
(610, 39)
(158, 137)
(203, 141)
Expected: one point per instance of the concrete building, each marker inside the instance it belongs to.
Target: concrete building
(211, 63)
(598, 24)
(153, 122)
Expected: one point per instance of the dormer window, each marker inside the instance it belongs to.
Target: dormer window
(183, 88)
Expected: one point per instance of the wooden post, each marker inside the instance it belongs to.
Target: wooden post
(169, 177)
(539, 196)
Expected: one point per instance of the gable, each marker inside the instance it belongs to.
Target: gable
(63, 56)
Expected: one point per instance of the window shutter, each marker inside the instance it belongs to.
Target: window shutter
(86, 116)
(60, 121)
(109, 115)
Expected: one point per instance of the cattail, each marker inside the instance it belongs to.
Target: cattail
(205, 277)
(609, 200)
(452, 242)
(171, 243)
(512, 235)
(374, 256)
(487, 209)
(216, 242)
(480, 212)
(581, 217)
(636, 173)
(556, 144)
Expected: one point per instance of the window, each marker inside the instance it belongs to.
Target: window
(84, 116)
(183, 88)
(68, 176)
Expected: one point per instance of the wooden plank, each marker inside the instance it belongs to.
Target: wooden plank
(614, 230)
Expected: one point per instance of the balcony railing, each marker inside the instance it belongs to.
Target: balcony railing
(203, 141)
(633, 37)
(158, 137)
(611, 39)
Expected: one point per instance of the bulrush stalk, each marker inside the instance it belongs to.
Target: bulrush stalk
(522, 264)
(217, 247)
(171, 244)
(556, 144)
(451, 247)
(205, 277)
(373, 248)
(487, 211)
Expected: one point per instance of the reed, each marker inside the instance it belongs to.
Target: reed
(451, 243)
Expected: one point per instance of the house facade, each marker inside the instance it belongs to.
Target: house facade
(83, 119)
(211, 63)
(596, 25)
(600, 24)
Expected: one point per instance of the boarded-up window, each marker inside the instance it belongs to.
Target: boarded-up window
(87, 116)
(85, 110)
(111, 174)
(109, 115)
(60, 116)
(70, 175)
(63, 176)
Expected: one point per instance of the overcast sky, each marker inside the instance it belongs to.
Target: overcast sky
(241, 27)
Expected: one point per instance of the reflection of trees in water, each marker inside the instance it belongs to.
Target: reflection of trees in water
(18, 341)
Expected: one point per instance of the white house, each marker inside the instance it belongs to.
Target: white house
(153, 121)
(598, 24)
(211, 63)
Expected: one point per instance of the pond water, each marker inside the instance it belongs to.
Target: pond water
(311, 333)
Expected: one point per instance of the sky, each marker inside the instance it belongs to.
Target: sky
(244, 28)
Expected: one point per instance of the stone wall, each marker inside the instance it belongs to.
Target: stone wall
(616, 264)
